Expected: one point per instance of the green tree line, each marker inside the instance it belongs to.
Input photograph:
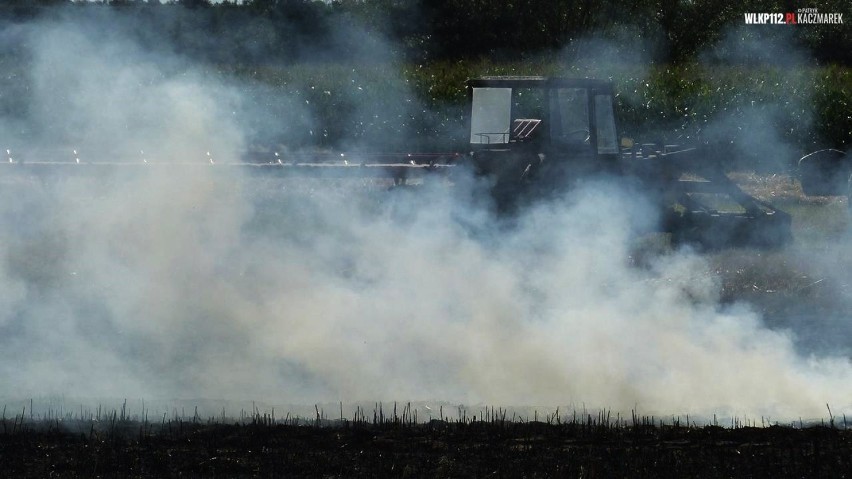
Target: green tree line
(376, 70)
(257, 31)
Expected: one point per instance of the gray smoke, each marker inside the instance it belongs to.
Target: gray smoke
(762, 127)
(207, 284)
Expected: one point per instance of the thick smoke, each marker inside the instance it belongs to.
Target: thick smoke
(201, 283)
(761, 131)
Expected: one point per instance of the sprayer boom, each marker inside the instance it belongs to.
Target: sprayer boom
(71, 162)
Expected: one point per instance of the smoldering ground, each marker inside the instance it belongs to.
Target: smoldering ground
(212, 285)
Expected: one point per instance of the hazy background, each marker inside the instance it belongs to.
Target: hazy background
(214, 287)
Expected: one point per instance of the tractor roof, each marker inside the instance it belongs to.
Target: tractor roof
(537, 82)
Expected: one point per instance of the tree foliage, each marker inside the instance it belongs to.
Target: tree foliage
(310, 51)
(673, 31)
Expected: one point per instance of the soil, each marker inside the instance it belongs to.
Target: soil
(435, 449)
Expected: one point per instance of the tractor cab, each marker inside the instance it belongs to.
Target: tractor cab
(553, 129)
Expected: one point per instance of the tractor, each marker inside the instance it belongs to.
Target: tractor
(534, 136)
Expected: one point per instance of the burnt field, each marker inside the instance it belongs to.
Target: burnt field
(493, 446)
(796, 288)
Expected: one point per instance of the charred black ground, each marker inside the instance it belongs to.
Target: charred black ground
(593, 446)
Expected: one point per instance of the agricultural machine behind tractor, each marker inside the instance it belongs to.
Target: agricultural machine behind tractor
(533, 137)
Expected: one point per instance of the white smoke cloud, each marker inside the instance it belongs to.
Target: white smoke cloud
(202, 284)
